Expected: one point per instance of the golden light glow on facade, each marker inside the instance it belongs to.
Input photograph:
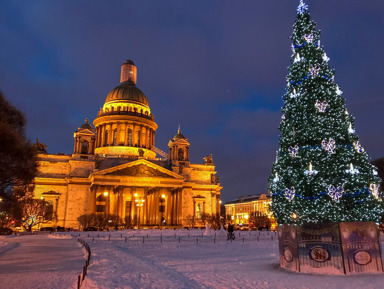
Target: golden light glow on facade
(114, 168)
(243, 210)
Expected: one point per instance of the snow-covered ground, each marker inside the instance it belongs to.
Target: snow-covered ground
(170, 259)
(31, 262)
(199, 259)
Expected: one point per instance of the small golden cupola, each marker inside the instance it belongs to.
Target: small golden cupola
(125, 125)
(85, 138)
(179, 149)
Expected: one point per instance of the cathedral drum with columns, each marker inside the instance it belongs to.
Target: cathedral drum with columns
(114, 168)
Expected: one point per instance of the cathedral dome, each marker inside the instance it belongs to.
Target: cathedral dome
(179, 135)
(127, 91)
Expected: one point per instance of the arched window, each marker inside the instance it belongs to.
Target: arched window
(181, 154)
(114, 136)
(84, 147)
(106, 138)
(48, 215)
(129, 137)
(199, 210)
(101, 202)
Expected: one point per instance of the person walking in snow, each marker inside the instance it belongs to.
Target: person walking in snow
(230, 232)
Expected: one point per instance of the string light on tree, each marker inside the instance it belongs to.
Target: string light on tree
(352, 170)
(297, 58)
(276, 179)
(338, 91)
(294, 94)
(325, 57)
(310, 171)
(350, 129)
(324, 174)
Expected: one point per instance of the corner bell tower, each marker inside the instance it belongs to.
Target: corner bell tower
(179, 149)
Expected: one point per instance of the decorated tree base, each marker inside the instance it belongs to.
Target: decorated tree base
(331, 248)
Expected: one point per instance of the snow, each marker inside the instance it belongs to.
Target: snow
(39, 262)
(162, 259)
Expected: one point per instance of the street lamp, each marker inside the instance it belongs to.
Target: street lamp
(139, 205)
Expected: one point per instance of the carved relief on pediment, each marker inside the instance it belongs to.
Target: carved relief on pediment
(140, 171)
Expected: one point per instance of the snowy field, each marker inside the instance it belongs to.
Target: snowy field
(199, 259)
(30, 262)
(170, 259)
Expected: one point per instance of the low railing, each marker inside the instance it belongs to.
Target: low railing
(81, 277)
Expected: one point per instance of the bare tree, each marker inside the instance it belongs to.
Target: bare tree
(99, 221)
(32, 211)
(191, 221)
(87, 220)
(130, 222)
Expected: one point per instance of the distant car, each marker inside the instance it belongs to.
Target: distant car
(6, 231)
(91, 229)
(50, 229)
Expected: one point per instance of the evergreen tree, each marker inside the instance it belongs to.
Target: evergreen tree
(321, 173)
(17, 156)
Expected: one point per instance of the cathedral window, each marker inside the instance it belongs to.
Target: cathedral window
(101, 202)
(106, 138)
(199, 210)
(84, 147)
(48, 215)
(129, 137)
(181, 154)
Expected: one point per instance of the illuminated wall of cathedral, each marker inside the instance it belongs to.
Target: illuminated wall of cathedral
(115, 168)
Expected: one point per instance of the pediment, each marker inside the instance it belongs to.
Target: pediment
(85, 131)
(139, 168)
(180, 142)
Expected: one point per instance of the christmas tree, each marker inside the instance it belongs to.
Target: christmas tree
(321, 173)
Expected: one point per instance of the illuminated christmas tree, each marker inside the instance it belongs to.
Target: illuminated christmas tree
(321, 173)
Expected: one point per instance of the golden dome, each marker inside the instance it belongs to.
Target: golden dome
(127, 91)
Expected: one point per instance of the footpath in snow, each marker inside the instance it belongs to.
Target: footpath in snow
(183, 259)
(40, 261)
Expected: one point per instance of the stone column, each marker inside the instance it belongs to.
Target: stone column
(75, 145)
(134, 136)
(92, 199)
(102, 136)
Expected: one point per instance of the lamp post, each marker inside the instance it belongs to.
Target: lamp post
(139, 205)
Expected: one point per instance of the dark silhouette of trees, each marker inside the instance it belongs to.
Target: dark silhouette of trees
(17, 157)
(17, 162)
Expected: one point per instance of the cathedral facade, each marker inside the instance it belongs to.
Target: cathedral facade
(115, 168)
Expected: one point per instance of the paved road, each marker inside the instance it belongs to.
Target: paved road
(40, 262)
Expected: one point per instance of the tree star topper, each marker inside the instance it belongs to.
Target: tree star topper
(302, 8)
